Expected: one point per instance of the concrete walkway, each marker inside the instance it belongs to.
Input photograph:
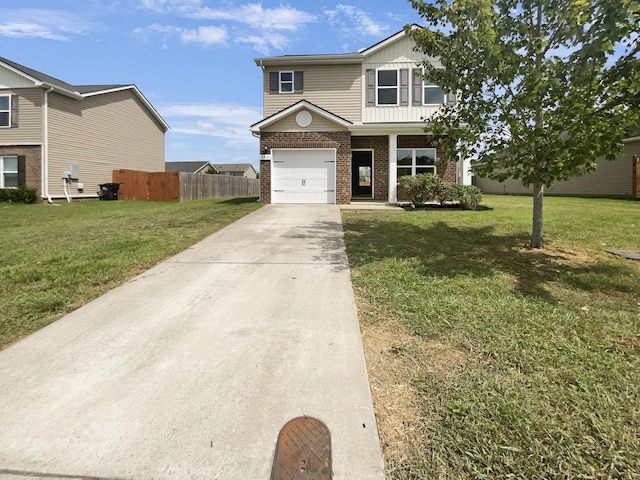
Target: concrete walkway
(189, 370)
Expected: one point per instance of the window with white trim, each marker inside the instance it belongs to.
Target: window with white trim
(387, 87)
(286, 82)
(8, 172)
(5, 111)
(415, 161)
(433, 94)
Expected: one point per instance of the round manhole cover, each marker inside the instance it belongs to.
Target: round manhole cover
(303, 451)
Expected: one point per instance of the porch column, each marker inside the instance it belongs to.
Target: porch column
(393, 168)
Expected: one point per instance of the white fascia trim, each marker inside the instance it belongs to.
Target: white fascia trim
(332, 59)
(138, 94)
(294, 108)
(385, 43)
(629, 140)
(38, 83)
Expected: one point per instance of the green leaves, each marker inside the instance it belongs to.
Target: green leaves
(545, 87)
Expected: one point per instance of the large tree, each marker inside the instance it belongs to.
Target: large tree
(544, 86)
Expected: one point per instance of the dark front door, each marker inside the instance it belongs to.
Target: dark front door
(362, 174)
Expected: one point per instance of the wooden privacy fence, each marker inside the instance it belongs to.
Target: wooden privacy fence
(166, 186)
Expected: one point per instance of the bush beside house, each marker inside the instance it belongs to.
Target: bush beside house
(428, 187)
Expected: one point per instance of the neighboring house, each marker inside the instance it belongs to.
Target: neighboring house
(190, 167)
(50, 130)
(615, 178)
(339, 127)
(237, 170)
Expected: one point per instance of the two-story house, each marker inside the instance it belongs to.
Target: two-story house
(65, 140)
(340, 127)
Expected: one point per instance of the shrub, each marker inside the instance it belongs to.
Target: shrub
(450, 193)
(421, 188)
(22, 194)
(471, 197)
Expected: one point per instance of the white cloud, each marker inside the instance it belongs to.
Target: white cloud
(203, 35)
(263, 23)
(264, 44)
(256, 16)
(222, 120)
(42, 23)
(170, 5)
(29, 30)
(354, 23)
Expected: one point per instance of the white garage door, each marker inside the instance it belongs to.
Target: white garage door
(303, 176)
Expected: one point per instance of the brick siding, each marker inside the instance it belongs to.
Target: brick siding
(344, 143)
(380, 146)
(447, 171)
(33, 163)
(341, 141)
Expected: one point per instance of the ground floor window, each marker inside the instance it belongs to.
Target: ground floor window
(415, 161)
(8, 171)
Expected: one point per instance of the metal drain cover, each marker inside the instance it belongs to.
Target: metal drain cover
(303, 451)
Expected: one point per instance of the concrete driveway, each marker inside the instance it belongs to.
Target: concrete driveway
(189, 370)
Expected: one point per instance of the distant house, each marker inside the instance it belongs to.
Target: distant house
(190, 167)
(237, 169)
(615, 178)
(65, 140)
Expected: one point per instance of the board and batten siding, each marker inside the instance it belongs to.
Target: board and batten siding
(101, 133)
(612, 179)
(336, 88)
(29, 130)
(318, 124)
(396, 56)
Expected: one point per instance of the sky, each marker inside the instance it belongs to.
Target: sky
(192, 59)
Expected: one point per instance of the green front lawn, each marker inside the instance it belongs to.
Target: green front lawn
(56, 258)
(491, 360)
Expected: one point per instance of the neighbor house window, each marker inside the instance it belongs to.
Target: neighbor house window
(8, 172)
(5, 110)
(416, 161)
(387, 87)
(433, 94)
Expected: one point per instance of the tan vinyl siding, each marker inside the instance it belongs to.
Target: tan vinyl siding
(101, 133)
(29, 131)
(611, 179)
(318, 124)
(336, 88)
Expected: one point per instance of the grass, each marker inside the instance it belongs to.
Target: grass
(55, 259)
(490, 360)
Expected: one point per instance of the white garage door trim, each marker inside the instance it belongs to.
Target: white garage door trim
(303, 175)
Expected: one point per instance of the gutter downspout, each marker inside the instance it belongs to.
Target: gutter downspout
(45, 148)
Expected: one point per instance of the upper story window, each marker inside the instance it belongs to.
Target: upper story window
(387, 87)
(416, 161)
(5, 110)
(433, 94)
(9, 172)
(286, 81)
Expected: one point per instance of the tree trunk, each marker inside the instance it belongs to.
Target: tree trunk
(537, 238)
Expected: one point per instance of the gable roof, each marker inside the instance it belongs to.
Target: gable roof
(78, 92)
(188, 167)
(296, 107)
(233, 167)
(336, 58)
